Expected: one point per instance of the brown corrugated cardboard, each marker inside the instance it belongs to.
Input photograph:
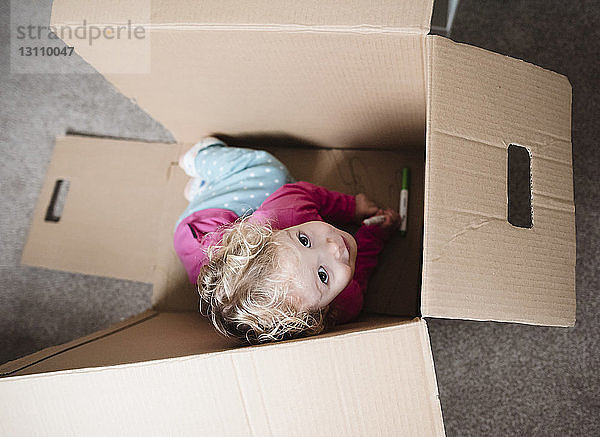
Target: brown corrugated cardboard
(149, 336)
(355, 93)
(269, 77)
(109, 208)
(274, 73)
(294, 388)
(29, 364)
(365, 15)
(476, 264)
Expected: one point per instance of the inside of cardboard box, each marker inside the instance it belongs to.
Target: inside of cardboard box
(394, 288)
(393, 294)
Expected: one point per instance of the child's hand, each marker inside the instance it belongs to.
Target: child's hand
(392, 219)
(365, 207)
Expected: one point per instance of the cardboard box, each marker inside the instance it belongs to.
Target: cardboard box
(374, 93)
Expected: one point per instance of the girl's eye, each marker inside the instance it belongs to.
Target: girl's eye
(323, 276)
(303, 240)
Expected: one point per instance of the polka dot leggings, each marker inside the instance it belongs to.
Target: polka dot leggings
(236, 179)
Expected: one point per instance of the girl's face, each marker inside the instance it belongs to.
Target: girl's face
(320, 259)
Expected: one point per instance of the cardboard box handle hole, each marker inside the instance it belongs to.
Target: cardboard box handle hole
(57, 202)
(520, 212)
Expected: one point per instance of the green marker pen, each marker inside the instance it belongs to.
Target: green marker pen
(404, 201)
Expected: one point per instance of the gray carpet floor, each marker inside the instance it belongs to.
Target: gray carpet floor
(494, 378)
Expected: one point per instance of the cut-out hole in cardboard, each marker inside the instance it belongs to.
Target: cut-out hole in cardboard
(57, 202)
(520, 212)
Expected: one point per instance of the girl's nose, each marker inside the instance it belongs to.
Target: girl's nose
(334, 248)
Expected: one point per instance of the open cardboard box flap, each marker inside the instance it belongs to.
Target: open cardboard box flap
(308, 80)
(476, 265)
(263, 390)
(374, 93)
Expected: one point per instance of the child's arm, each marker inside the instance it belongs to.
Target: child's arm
(365, 207)
(331, 205)
(189, 241)
(340, 207)
(311, 202)
(370, 241)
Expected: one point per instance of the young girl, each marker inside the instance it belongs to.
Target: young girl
(267, 264)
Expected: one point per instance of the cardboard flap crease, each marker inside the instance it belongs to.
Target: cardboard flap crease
(394, 15)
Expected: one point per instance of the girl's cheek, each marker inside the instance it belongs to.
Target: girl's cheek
(348, 273)
(351, 270)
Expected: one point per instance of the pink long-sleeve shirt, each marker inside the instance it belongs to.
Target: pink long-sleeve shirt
(290, 205)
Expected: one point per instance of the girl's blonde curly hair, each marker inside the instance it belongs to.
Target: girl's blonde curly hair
(245, 290)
